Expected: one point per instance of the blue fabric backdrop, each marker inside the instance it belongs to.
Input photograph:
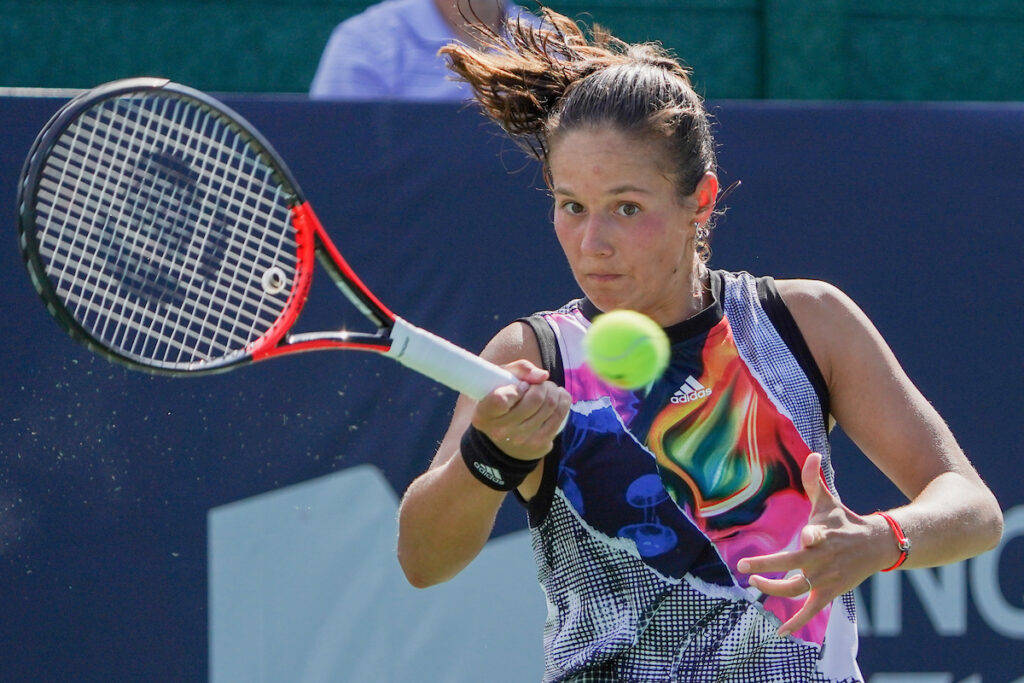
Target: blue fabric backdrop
(106, 476)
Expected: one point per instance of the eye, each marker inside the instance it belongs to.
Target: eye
(627, 210)
(572, 208)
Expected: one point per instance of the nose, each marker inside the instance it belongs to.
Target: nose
(596, 238)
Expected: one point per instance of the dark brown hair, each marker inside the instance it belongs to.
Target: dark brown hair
(539, 82)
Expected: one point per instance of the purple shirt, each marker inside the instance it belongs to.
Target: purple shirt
(389, 52)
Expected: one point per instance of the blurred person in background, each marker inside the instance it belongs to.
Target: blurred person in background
(390, 50)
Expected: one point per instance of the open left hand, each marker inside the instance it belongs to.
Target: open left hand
(838, 550)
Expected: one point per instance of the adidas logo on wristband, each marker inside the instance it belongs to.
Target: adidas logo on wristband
(490, 465)
(489, 472)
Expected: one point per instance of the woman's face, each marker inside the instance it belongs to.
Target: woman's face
(625, 231)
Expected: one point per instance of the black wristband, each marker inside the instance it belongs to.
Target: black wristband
(492, 466)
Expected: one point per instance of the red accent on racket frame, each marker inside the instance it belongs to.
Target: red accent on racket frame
(321, 345)
(307, 230)
(264, 347)
(304, 212)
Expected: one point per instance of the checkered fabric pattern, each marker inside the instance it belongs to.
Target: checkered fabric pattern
(612, 616)
(616, 619)
(767, 355)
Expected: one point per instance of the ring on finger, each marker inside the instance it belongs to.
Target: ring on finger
(808, 581)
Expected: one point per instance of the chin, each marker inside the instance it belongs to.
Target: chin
(609, 296)
(606, 302)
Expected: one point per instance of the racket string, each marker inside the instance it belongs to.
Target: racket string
(163, 292)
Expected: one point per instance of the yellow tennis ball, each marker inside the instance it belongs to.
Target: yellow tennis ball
(626, 349)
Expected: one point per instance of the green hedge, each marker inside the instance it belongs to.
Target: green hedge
(802, 49)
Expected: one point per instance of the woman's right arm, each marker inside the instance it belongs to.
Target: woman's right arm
(447, 514)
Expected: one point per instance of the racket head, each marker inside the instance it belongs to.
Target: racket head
(158, 227)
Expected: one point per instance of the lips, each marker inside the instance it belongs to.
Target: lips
(603, 277)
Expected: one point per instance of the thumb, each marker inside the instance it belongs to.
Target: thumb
(812, 479)
(527, 371)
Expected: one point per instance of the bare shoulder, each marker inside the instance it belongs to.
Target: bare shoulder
(513, 342)
(812, 297)
(826, 317)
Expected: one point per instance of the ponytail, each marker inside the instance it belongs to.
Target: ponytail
(538, 82)
(522, 77)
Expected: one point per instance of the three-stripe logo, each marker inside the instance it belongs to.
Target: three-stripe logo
(690, 391)
(489, 472)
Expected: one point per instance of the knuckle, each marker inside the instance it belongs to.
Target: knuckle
(532, 399)
(485, 412)
(541, 443)
(551, 400)
(813, 535)
(500, 398)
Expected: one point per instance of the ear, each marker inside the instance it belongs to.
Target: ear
(706, 196)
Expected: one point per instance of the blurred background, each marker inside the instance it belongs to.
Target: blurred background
(241, 527)
(940, 50)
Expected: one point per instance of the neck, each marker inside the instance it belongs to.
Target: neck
(695, 297)
(461, 14)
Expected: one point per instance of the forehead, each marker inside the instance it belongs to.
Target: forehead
(606, 156)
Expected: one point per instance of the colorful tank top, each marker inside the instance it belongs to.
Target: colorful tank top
(651, 497)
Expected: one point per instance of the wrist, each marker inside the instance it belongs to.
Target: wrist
(490, 465)
(893, 540)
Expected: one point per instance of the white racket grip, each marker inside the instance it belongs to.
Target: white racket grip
(444, 362)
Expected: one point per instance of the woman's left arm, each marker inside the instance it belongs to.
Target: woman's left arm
(951, 515)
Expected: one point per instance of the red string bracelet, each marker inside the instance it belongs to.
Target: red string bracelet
(901, 540)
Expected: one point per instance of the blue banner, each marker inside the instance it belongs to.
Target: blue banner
(148, 525)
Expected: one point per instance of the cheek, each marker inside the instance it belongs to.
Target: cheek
(656, 234)
(661, 241)
(565, 234)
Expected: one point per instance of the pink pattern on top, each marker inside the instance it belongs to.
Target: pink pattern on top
(730, 459)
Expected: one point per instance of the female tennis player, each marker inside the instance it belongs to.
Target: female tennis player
(690, 530)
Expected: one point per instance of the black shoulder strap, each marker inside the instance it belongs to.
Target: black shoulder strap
(538, 506)
(785, 325)
(549, 356)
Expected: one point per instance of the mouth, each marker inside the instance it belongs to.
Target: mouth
(604, 277)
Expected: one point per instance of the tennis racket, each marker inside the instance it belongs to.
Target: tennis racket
(163, 231)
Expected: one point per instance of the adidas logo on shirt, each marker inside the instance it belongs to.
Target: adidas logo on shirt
(691, 391)
(489, 472)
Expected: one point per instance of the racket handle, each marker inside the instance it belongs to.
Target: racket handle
(444, 362)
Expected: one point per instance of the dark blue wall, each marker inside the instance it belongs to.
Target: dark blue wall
(106, 475)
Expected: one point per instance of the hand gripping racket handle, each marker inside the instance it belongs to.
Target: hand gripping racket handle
(444, 362)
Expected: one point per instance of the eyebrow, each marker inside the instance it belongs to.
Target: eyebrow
(629, 188)
(621, 189)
